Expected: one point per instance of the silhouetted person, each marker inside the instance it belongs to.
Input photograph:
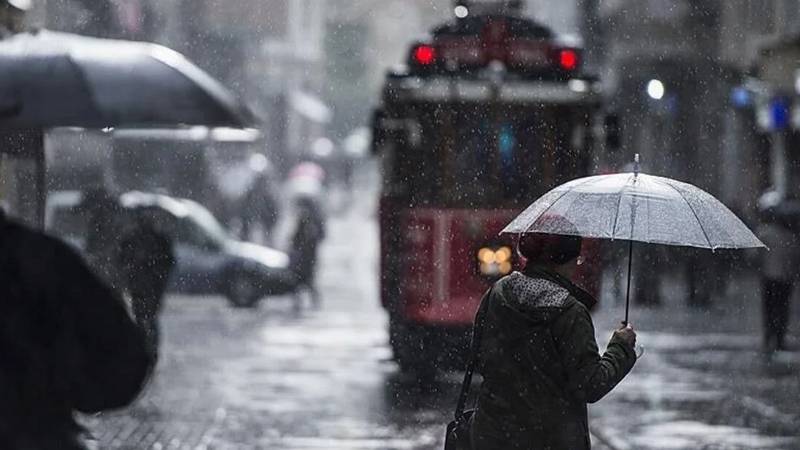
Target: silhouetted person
(305, 244)
(146, 260)
(68, 343)
(102, 234)
(259, 207)
(778, 274)
(538, 354)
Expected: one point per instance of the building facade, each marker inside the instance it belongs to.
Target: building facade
(699, 126)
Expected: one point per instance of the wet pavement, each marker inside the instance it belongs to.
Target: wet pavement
(274, 379)
(322, 379)
(703, 381)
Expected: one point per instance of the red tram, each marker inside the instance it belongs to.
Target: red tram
(487, 115)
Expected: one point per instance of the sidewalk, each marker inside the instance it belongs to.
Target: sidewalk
(703, 381)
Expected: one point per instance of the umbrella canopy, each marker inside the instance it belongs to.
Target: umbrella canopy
(637, 207)
(58, 79)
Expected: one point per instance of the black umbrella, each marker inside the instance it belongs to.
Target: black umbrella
(50, 79)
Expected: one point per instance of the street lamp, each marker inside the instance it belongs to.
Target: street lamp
(655, 89)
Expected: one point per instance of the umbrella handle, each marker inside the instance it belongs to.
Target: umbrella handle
(628, 293)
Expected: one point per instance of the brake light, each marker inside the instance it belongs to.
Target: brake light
(424, 54)
(568, 59)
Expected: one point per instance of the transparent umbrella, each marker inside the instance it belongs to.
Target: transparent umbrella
(636, 207)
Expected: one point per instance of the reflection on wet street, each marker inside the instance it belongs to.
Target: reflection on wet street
(271, 378)
(323, 379)
(703, 381)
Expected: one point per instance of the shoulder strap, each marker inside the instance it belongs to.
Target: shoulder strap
(477, 331)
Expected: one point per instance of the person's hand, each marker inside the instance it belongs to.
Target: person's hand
(626, 335)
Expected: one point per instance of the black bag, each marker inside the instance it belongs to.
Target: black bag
(458, 434)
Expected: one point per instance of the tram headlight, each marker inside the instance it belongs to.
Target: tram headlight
(503, 254)
(494, 261)
(486, 255)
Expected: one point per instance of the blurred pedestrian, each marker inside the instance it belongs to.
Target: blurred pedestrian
(308, 234)
(103, 230)
(538, 355)
(260, 208)
(67, 341)
(146, 260)
(778, 273)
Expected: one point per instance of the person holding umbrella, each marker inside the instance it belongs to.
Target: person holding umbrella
(540, 361)
(538, 354)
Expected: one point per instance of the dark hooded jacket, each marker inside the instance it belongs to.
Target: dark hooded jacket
(306, 240)
(146, 258)
(67, 341)
(540, 365)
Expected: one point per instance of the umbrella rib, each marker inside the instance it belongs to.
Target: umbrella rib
(691, 208)
(616, 216)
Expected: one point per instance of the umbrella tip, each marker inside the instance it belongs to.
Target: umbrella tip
(636, 164)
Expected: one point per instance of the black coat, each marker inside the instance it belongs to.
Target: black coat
(67, 341)
(307, 237)
(541, 366)
(146, 259)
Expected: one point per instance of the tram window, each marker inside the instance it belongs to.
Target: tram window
(472, 160)
(497, 157)
(470, 157)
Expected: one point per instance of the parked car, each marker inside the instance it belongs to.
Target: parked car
(208, 259)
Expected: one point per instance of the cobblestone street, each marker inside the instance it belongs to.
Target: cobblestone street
(271, 378)
(703, 381)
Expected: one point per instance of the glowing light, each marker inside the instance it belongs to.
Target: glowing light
(655, 89)
(486, 255)
(495, 262)
(425, 54)
(578, 86)
(568, 59)
(461, 11)
(503, 254)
